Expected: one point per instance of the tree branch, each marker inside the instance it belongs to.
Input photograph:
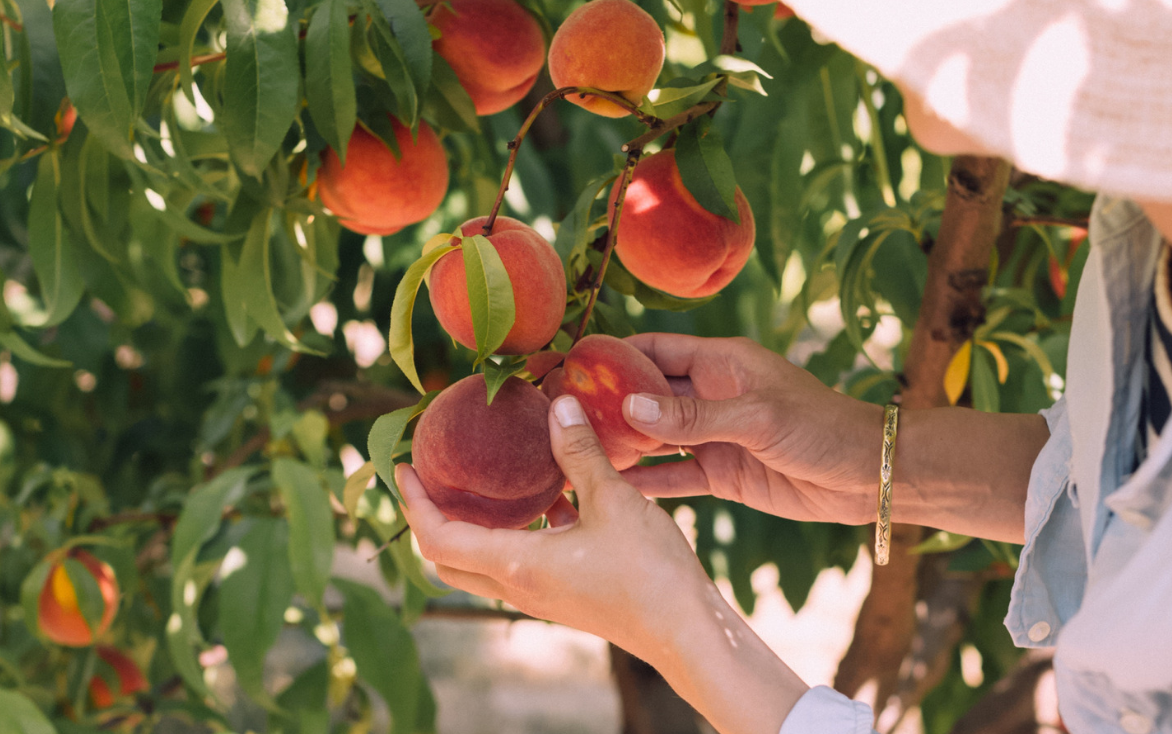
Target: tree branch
(1044, 221)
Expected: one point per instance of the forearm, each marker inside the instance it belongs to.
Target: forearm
(965, 471)
(715, 661)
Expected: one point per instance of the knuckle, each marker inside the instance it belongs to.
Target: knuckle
(689, 416)
(581, 445)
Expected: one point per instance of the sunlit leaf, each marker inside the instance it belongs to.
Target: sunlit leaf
(490, 294)
(957, 374)
(385, 435)
(705, 168)
(400, 341)
(311, 526)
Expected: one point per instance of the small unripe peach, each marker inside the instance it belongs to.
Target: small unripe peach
(670, 242)
(120, 668)
(377, 193)
(495, 47)
(58, 615)
(488, 464)
(601, 371)
(611, 45)
(537, 276)
(65, 118)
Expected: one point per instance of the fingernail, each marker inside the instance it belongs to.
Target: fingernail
(568, 412)
(644, 410)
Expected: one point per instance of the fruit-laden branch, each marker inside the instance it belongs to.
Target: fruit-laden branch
(958, 267)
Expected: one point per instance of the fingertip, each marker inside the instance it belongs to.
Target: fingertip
(567, 411)
(642, 409)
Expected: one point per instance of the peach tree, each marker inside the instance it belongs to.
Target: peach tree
(216, 218)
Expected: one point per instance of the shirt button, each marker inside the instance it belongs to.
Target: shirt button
(1134, 723)
(1039, 631)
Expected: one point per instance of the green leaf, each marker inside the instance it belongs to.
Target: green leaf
(193, 19)
(11, 341)
(706, 169)
(356, 487)
(384, 653)
(399, 340)
(496, 374)
(19, 715)
(410, 29)
(385, 435)
(574, 232)
(54, 260)
(448, 101)
(108, 50)
(618, 277)
(30, 593)
(393, 63)
(311, 526)
(680, 94)
(986, 395)
(310, 432)
(329, 80)
(260, 82)
(256, 590)
(490, 294)
(942, 541)
(90, 602)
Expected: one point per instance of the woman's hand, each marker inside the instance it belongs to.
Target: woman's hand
(763, 432)
(621, 570)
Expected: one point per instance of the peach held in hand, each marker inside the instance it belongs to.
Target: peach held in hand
(539, 287)
(495, 47)
(377, 193)
(670, 242)
(611, 45)
(488, 464)
(601, 371)
(58, 615)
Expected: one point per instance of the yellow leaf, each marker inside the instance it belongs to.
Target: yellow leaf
(957, 375)
(999, 358)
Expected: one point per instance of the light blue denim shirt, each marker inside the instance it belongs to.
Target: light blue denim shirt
(1095, 579)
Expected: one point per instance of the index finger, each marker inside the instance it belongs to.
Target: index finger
(674, 354)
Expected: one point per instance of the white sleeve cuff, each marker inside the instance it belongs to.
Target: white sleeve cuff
(823, 710)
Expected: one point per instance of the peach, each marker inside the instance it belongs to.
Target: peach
(495, 47)
(377, 193)
(58, 615)
(539, 365)
(65, 118)
(670, 242)
(488, 464)
(601, 371)
(783, 11)
(612, 45)
(118, 668)
(539, 287)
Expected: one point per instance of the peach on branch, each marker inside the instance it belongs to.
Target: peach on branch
(611, 45)
(537, 275)
(670, 242)
(488, 464)
(59, 615)
(495, 47)
(115, 667)
(601, 371)
(379, 193)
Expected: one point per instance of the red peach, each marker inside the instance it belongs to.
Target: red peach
(121, 669)
(58, 615)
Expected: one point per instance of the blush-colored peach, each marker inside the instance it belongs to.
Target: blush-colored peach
(58, 615)
(120, 668)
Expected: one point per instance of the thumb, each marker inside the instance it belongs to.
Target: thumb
(578, 452)
(690, 421)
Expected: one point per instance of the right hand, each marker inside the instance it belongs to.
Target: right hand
(762, 431)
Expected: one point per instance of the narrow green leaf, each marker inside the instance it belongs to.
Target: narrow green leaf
(311, 526)
(448, 101)
(618, 277)
(232, 288)
(329, 80)
(260, 83)
(574, 232)
(310, 431)
(203, 509)
(680, 94)
(384, 653)
(985, 391)
(356, 487)
(256, 589)
(52, 253)
(393, 63)
(385, 435)
(409, 565)
(20, 349)
(108, 50)
(19, 715)
(193, 19)
(410, 29)
(496, 374)
(706, 169)
(942, 541)
(90, 602)
(490, 294)
(399, 340)
(30, 593)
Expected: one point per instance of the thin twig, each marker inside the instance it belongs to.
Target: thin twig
(612, 237)
(1044, 221)
(11, 23)
(664, 126)
(732, 16)
(195, 61)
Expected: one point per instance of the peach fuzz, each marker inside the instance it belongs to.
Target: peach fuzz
(377, 193)
(488, 464)
(601, 371)
(58, 615)
(612, 45)
(121, 669)
(670, 242)
(495, 47)
(537, 275)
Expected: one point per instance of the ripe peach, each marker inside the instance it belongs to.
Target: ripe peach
(496, 73)
(377, 193)
(539, 287)
(119, 668)
(65, 118)
(670, 242)
(601, 371)
(58, 615)
(539, 365)
(783, 11)
(488, 464)
(612, 45)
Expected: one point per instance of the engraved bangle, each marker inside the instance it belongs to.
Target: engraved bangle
(883, 525)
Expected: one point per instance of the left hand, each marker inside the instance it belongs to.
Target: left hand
(619, 571)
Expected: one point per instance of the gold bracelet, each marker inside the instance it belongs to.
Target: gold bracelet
(883, 526)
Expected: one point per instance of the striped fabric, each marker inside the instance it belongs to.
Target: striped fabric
(1156, 406)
